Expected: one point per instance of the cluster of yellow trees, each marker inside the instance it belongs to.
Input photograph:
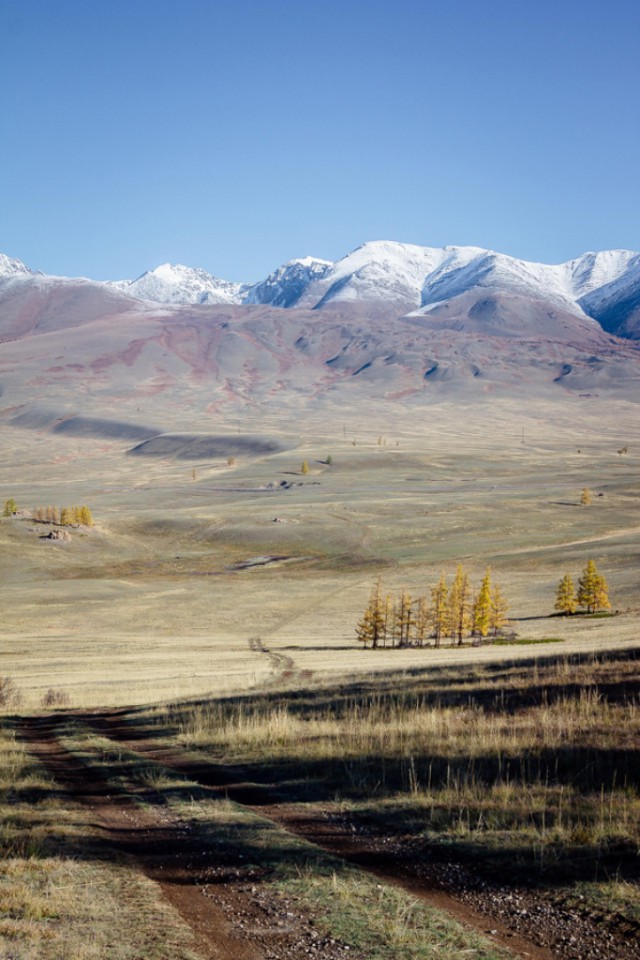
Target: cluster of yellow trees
(453, 612)
(65, 516)
(593, 592)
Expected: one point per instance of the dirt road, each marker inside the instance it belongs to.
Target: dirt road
(231, 918)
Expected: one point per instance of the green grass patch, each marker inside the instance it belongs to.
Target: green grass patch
(524, 641)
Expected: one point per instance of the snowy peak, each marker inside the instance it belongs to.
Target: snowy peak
(13, 268)
(176, 283)
(286, 285)
(377, 271)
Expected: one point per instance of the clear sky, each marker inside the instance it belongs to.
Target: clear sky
(234, 135)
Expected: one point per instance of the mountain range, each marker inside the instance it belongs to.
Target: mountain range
(604, 286)
(390, 322)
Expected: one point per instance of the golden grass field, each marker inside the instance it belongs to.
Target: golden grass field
(156, 601)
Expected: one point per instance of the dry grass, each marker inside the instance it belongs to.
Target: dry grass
(535, 764)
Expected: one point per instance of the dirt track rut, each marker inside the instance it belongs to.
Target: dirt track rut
(161, 847)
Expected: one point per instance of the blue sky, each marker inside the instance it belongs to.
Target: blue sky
(236, 134)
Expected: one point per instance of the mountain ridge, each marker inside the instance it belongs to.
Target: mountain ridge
(603, 285)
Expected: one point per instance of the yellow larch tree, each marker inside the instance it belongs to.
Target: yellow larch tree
(593, 592)
(566, 602)
(439, 613)
(482, 607)
(459, 605)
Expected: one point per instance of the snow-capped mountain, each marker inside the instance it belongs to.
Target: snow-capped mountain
(417, 278)
(286, 285)
(378, 271)
(175, 283)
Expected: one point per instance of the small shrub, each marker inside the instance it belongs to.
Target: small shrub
(10, 696)
(55, 698)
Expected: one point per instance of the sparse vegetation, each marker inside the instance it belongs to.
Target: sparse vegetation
(55, 698)
(509, 768)
(61, 896)
(373, 918)
(593, 590)
(566, 601)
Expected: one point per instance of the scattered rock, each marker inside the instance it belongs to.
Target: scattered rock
(61, 535)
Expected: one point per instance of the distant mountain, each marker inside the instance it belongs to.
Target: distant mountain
(175, 283)
(615, 304)
(417, 279)
(388, 327)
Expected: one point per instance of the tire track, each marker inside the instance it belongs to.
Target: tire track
(157, 844)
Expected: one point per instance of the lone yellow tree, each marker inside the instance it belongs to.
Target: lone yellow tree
(593, 592)
(585, 497)
(304, 467)
(566, 596)
(10, 507)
